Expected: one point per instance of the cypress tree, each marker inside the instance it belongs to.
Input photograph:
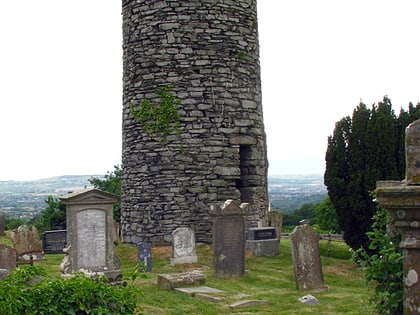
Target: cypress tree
(363, 149)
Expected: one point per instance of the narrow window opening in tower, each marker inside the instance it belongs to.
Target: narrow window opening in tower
(245, 183)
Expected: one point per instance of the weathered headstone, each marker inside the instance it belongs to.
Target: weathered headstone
(8, 257)
(144, 255)
(183, 247)
(306, 258)
(27, 242)
(90, 237)
(2, 219)
(229, 239)
(274, 219)
(53, 242)
(263, 241)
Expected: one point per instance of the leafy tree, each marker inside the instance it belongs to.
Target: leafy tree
(53, 217)
(326, 217)
(307, 211)
(363, 149)
(112, 184)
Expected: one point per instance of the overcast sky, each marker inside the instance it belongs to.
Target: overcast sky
(61, 85)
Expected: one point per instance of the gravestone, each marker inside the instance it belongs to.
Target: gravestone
(144, 255)
(53, 242)
(307, 267)
(8, 257)
(229, 239)
(27, 242)
(183, 247)
(274, 219)
(90, 237)
(2, 219)
(263, 241)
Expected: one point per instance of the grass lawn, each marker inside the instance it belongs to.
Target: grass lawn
(267, 278)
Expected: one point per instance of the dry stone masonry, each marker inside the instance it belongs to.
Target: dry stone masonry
(208, 52)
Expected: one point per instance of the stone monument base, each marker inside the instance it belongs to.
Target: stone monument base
(263, 247)
(112, 275)
(183, 260)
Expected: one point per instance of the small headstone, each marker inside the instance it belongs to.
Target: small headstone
(8, 257)
(53, 242)
(306, 258)
(229, 239)
(27, 242)
(265, 233)
(2, 219)
(308, 299)
(274, 219)
(144, 255)
(263, 241)
(183, 247)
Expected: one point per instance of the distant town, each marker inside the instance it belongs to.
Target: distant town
(26, 199)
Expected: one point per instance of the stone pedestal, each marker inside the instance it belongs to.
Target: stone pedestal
(403, 202)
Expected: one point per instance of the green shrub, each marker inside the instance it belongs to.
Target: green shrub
(28, 291)
(383, 265)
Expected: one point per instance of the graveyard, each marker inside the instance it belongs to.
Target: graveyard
(268, 279)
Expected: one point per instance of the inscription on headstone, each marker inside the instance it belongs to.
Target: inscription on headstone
(263, 241)
(2, 219)
(183, 246)
(306, 258)
(91, 241)
(144, 255)
(8, 257)
(229, 239)
(53, 242)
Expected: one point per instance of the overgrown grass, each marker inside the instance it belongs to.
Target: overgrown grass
(267, 278)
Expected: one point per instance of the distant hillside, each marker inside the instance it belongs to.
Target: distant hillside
(289, 192)
(27, 198)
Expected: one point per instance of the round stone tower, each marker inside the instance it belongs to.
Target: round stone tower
(200, 58)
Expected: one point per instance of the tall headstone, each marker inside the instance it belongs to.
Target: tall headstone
(229, 239)
(208, 51)
(183, 247)
(2, 222)
(306, 258)
(90, 237)
(402, 199)
(27, 242)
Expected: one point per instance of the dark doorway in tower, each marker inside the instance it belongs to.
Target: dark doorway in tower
(247, 182)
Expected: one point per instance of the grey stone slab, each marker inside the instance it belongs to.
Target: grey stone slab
(183, 246)
(199, 290)
(248, 303)
(8, 257)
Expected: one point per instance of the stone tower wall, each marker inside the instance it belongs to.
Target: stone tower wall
(208, 51)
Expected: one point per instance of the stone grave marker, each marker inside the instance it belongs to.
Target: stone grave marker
(263, 241)
(27, 242)
(306, 258)
(2, 219)
(8, 257)
(90, 237)
(274, 219)
(229, 239)
(183, 246)
(144, 255)
(53, 242)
